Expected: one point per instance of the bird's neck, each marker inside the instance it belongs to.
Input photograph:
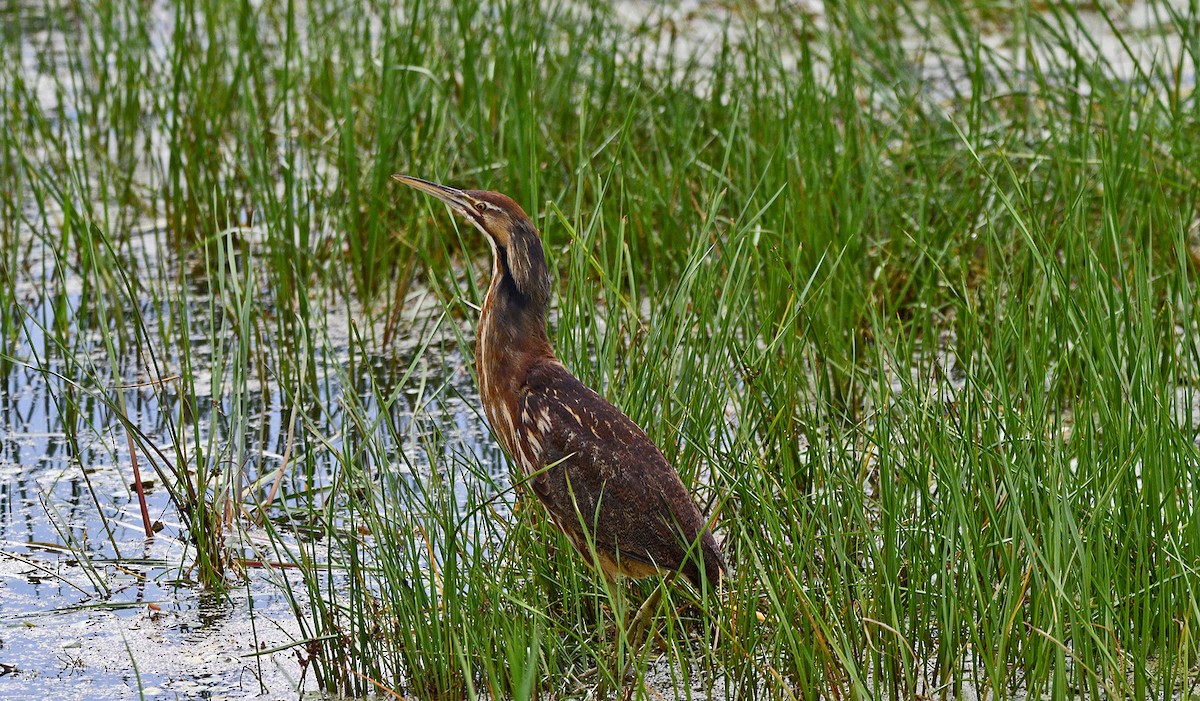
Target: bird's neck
(512, 338)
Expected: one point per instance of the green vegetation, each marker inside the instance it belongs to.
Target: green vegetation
(929, 344)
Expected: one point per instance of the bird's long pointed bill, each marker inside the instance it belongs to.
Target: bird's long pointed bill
(452, 196)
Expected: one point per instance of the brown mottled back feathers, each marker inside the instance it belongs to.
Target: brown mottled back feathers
(609, 477)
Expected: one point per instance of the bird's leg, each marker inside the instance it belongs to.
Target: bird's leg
(616, 602)
(643, 618)
(634, 633)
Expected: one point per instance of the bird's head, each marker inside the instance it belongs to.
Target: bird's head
(514, 239)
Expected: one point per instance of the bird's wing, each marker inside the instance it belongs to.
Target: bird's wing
(604, 475)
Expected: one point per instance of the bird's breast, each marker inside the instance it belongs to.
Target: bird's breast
(500, 388)
(521, 435)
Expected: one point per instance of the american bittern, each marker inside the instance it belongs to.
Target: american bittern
(604, 482)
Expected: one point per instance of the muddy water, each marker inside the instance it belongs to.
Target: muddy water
(90, 608)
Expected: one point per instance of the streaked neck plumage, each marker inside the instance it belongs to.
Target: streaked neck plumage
(512, 326)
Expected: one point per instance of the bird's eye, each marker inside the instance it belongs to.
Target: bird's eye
(480, 207)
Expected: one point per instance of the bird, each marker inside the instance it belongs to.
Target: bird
(603, 481)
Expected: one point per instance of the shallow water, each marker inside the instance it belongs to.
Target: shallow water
(90, 614)
(89, 608)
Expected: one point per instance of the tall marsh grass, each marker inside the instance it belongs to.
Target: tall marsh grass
(904, 290)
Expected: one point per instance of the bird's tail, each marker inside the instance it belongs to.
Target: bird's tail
(714, 569)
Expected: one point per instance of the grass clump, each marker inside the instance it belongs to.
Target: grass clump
(905, 293)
